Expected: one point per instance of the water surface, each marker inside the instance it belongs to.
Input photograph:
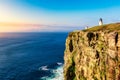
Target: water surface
(31, 56)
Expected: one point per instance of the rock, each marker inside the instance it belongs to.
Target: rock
(92, 55)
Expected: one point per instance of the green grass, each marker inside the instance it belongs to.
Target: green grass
(110, 27)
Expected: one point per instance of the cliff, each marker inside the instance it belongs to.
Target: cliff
(93, 54)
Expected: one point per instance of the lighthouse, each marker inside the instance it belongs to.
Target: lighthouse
(100, 22)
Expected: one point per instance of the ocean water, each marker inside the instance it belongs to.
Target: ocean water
(32, 56)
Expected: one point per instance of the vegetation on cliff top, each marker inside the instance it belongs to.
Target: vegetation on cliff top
(110, 27)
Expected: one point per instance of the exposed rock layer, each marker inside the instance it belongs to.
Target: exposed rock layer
(92, 55)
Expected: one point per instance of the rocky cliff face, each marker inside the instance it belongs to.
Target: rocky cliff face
(92, 55)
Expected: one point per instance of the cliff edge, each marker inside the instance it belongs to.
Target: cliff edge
(93, 54)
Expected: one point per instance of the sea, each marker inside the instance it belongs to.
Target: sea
(32, 56)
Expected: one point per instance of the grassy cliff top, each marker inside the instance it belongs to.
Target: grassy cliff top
(110, 27)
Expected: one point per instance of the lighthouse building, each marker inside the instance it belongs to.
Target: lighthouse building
(100, 22)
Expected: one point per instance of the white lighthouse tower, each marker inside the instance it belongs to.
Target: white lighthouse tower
(100, 22)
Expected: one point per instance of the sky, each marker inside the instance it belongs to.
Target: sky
(56, 15)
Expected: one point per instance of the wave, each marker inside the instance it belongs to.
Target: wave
(57, 74)
(59, 63)
(44, 68)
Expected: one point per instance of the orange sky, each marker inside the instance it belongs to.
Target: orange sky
(17, 24)
(17, 27)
